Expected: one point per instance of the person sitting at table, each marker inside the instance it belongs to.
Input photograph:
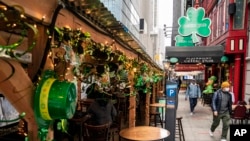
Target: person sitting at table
(102, 111)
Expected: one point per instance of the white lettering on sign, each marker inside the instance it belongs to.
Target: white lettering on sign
(240, 132)
(171, 92)
(198, 60)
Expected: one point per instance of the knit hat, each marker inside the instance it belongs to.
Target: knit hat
(225, 84)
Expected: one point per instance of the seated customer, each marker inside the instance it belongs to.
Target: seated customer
(102, 111)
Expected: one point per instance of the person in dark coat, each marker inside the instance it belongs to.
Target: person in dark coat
(222, 108)
(102, 111)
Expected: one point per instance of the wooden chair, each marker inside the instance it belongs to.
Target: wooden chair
(179, 132)
(96, 132)
(239, 114)
(156, 116)
(115, 127)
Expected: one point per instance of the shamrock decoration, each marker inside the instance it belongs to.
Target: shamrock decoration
(194, 23)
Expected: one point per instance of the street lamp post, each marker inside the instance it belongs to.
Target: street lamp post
(166, 66)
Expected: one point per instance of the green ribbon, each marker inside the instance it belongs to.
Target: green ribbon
(21, 116)
(16, 44)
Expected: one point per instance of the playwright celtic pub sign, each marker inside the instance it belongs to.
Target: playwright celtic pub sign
(193, 24)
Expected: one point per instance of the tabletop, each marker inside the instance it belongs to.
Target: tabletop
(143, 133)
(158, 105)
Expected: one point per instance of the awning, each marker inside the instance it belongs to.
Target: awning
(192, 73)
(197, 54)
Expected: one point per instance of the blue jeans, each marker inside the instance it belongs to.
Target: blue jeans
(193, 103)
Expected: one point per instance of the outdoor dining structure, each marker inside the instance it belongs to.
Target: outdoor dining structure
(54, 62)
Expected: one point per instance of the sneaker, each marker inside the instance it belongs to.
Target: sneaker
(191, 113)
(223, 140)
(211, 133)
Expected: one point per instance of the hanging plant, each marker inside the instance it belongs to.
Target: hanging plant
(14, 20)
(143, 67)
(118, 57)
(156, 77)
(75, 38)
(98, 51)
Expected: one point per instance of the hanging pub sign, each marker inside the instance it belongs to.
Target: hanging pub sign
(196, 54)
(183, 41)
(205, 59)
(194, 23)
(189, 67)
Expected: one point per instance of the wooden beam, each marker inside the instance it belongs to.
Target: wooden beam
(38, 51)
(147, 105)
(132, 102)
(19, 90)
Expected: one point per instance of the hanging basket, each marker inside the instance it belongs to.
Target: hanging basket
(100, 55)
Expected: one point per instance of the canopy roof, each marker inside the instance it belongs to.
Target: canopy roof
(197, 54)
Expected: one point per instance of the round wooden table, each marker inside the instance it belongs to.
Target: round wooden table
(144, 133)
(162, 106)
(158, 105)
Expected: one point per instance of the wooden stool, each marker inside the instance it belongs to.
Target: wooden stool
(155, 115)
(179, 133)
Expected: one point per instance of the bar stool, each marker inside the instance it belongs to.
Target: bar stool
(179, 133)
(155, 115)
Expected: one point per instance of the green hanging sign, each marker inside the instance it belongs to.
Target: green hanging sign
(194, 23)
(224, 59)
(183, 41)
(173, 60)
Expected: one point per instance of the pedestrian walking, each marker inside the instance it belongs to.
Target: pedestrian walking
(222, 107)
(193, 92)
(179, 82)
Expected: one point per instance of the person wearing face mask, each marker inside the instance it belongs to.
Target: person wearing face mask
(193, 92)
(222, 108)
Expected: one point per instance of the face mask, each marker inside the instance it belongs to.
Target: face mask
(226, 89)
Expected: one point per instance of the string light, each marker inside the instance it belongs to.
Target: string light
(43, 17)
(22, 16)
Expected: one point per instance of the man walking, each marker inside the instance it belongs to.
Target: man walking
(222, 107)
(193, 92)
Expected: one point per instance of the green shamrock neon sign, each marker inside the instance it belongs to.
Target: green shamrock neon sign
(194, 23)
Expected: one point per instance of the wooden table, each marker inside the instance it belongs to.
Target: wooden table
(144, 133)
(160, 105)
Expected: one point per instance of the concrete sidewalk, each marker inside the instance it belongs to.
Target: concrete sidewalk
(196, 127)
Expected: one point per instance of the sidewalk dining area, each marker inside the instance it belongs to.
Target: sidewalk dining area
(195, 127)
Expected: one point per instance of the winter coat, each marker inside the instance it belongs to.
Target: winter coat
(217, 98)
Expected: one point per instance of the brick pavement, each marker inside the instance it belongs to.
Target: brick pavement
(196, 126)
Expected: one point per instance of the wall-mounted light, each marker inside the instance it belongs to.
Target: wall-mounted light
(166, 64)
